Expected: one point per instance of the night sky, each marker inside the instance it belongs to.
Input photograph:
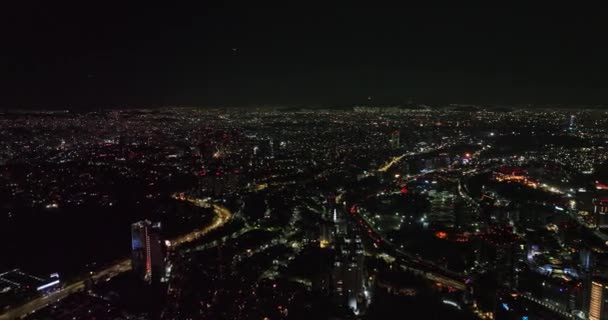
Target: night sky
(89, 56)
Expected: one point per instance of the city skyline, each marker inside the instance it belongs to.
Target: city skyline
(225, 161)
(361, 212)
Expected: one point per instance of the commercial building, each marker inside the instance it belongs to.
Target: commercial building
(147, 257)
(18, 281)
(600, 211)
(597, 303)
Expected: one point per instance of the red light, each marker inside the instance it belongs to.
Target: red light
(404, 191)
(601, 185)
(441, 235)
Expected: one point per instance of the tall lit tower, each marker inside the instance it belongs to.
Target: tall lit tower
(597, 303)
(147, 259)
(571, 122)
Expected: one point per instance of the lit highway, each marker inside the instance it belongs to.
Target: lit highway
(221, 217)
(389, 164)
(395, 160)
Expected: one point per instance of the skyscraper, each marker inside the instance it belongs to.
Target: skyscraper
(147, 258)
(597, 303)
(600, 211)
(571, 122)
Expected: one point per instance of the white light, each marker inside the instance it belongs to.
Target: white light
(42, 287)
(452, 303)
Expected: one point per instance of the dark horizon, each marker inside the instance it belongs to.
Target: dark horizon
(84, 58)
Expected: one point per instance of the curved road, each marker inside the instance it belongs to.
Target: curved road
(221, 217)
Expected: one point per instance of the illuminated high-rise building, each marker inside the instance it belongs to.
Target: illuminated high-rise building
(394, 139)
(597, 303)
(571, 122)
(600, 211)
(147, 258)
